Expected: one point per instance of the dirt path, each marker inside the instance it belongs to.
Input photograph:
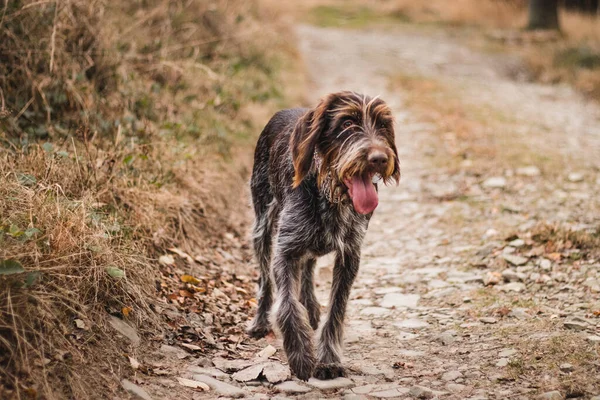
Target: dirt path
(459, 295)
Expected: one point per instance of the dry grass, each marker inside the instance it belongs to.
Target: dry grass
(118, 127)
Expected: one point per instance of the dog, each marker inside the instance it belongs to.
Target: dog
(314, 190)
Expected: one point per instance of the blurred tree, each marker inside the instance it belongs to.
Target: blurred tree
(543, 14)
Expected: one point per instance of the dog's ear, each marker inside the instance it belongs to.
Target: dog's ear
(305, 137)
(396, 172)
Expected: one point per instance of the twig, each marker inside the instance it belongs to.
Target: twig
(53, 37)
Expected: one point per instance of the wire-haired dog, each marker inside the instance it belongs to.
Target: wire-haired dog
(314, 190)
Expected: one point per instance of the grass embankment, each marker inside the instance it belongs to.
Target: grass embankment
(571, 56)
(125, 129)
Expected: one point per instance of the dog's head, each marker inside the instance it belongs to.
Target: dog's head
(352, 136)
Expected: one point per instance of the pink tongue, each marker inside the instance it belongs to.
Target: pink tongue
(363, 194)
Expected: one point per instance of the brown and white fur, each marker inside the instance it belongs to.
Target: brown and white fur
(313, 194)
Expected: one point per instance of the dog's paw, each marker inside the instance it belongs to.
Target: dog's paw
(258, 331)
(329, 371)
(302, 366)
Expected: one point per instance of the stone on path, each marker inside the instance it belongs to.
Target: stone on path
(451, 376)
(488, 320)
(455, 387)
(566, 367)
(575, 177)
(495, 182)
(507, 353)
(529, 170)
(553, 395)
(399, 300)
(276, 372)
(375, 311)
(337, 383)
(135, 390)
(390, 393)
(515, 260)
(231, 366)
(124, 329)
(503, 362)
(576, 325)
(249, 374)
(292, 387)
(593, 339)
(222, 388)
(421, 392)
(513, 287)
(412, 323)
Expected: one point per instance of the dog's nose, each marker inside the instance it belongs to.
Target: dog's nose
(378, 159)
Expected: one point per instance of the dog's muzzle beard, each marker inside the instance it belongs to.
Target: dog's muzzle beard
(355, 174)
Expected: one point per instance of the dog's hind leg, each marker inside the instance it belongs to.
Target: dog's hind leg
(262, 241)
(330, 342)
(307, 292)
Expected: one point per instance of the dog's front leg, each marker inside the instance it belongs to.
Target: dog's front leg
(330, 342)
(291, 316)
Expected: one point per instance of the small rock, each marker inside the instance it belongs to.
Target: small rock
(451, 376)
(575, 177)
(447, 337)
(421, 392)
(486, 250)
(517, 243)
(337, 383)
(249, 374)
(495, 182)
(455, 387)
(503, 362)
(575, 325)
(507, 353)
(566, 367)
(492, 278)
(488, 320)
(512, 287)
(124, 329)
(276, 372)
(529, 170)
(554, 395)
(166, 260)
(510, 275)
(375, 311)
(515, 260)
(292, 387)
(545, 264)
(135, 390)
(224, 389)
(593, 339)
(266, 352)
(412, 324)
(396, 300)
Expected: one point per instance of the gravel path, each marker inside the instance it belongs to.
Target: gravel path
(458, 296)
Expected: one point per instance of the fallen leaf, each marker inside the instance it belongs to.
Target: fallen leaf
(554, 256)
(185, 293)
(190, 279)
(80, 324)
(126, 311)
(266, 352)
(193, 384)
(115, 272)
(191, 346)
(182, 254)
(9, 267)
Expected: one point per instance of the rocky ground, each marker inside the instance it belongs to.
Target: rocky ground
(481, 272)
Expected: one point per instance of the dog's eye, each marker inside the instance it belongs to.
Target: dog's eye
(347, 124)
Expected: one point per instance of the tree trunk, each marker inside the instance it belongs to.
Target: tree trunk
(543, 14)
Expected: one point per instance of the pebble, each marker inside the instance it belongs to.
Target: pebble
(451, 376)
(412, 324)
(503, 362)
(376, 311)
(222, 388)
(276, 372)
(512, 287)
(488, 320)
(507, 353)
(337, 383)
(495, 182)
(529, 170)
(545, 264)
(553, 395)
(492, 278)
(135, 390)
(421, 392)
(396, 300)
(566, 367)
(593, 339)
(510, 275)
(575, 177)
(292, 387)
(124, 329)
(575, 325)
(515, 260)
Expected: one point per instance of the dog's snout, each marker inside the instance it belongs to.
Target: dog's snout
(378, 159)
